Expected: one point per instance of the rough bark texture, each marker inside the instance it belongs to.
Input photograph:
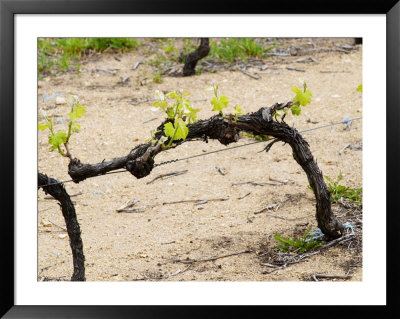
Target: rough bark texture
(193, 57)
(140, 160)
(74, 232)
(254, 123)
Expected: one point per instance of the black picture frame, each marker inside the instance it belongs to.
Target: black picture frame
(8, 10)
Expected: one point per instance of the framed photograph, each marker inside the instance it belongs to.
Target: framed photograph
(284, 197)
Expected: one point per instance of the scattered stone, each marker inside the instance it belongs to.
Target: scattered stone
(97, 192)
(60, 100)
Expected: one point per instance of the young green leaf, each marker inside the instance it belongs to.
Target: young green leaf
(176, 131)
(170, 113)
(169, 129)
(42, 127)
(181, 129)
(237, 110)
(302, 97)
(161, 104)
(173, 95)
(191, 114)
(296, 109)
(75, 127)
(360, 88)
(56, 140)
(220, 103)
(76, 112)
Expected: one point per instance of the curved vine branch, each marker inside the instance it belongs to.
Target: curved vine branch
(193, 57)
(68, 210)
(140, 160)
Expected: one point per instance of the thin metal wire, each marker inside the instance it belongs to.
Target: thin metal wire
(217, 151)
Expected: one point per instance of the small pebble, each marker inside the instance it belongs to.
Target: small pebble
(60, 100)
(60, 120)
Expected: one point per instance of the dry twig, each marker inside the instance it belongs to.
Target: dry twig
(248, 73)
(245, 195)
(136, 65)
(295, 69)
(257, 183)
(63, 228)
(220, 170)
(138, 209)
(274, 207)
(315, 276)
(128, 205)
(191, 261)
(196, 201)
(167, 175)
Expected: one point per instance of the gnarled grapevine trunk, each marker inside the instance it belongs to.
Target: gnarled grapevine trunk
(74, 232)
(140, 160)
(193, 57)
(255, 123)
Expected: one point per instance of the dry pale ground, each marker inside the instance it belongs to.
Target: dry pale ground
(144, 245)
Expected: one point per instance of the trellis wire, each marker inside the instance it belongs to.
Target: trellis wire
(217, 151)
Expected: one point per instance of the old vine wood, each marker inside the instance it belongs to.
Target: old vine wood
(193, 57)
(74, 232)
(225, 129)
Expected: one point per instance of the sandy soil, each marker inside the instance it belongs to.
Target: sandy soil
(144, 245)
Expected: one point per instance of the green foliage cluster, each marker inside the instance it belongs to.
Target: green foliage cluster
(61, 137)
(169, 47)
(221, 102)
(157, 77)
(180, 113)
(338, 191)
(59, 53)
(170, 54)
(302, 98)
(299, 245)
(63, 54)
(232, 49)
(360, 88)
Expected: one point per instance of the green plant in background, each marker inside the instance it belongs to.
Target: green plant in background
(189, 46)
(338, 191)
(158, 60)
(179, 114)
(63, 64)
(232, 49)
(299, 245)
(170, 47)
(199, 70)
(117, 44)
(58, 54)
(360, 88)
(59, 140)
(157, 77)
